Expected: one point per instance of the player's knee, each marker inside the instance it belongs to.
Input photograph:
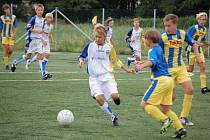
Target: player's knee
(100, 100)
(165, 109)
(202, 67)
(189, 90)
(143, 104)
(117, 101)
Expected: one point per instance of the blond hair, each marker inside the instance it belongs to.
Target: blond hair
(109, 19)
(49, 15)
(100, 29)
(199, 15)
(171, 17)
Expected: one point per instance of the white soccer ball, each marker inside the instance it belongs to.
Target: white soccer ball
(65, 117)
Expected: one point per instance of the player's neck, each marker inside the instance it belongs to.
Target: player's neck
(136, 28)
(152, 45)
(39, 16)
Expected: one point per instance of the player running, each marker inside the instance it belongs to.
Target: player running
(161, 90)
(134, 38)
(8, 31)
(100, 56)
(109, 24)
(198, 33)
(172, 42)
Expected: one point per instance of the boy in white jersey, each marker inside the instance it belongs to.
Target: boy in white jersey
(134, 38)
(46, 37)
(109, 24)
(101, 55)
(34, 38)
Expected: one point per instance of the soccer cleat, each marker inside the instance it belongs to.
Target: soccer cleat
(167, 123)
(27, 64)
(186, 122)
(47, 76)
(7, 67)
(205, 90)
(115, 120)
(13, 68)
(180, 134)
(191, 74)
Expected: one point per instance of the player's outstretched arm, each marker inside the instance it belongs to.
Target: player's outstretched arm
(83, 56)
(140, 65)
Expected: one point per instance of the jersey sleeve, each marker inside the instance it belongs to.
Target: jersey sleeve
(1, 24)
(189, 40)
(191, 31)
(115, 59)
(15, 22)
(153, 58)
(129, 34)
(84, 53)
(31, 23)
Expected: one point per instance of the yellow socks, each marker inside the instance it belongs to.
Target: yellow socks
(186, 106)
(203, 80)
(177, 124)
(155, 113)
(6, 61)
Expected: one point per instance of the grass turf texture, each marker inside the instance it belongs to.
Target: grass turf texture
(28, 109)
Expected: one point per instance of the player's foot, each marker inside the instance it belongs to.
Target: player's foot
(205, 90)
(47, 76)
(166, 124)
(130, 60)
(13, 68)
(180, 134)
(190, 74)
(115, 121)
(186, 122)
(27, 64)
(7, 67)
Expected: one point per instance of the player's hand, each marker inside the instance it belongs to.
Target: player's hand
(130, 70)
(13, 36)
(40, 31)
(81, 63)
(198, 43)
(44, 43)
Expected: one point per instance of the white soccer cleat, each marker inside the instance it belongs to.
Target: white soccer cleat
(27, 64)
(190, 74)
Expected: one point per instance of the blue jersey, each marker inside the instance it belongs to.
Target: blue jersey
(159, 67)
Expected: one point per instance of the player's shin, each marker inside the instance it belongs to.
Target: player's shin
(42, 65)
(177, 124)
(18, 60)
(186, 106)
(107, 109)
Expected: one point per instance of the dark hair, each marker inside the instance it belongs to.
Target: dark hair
(171, 17)
(152, 35)
(5, 6)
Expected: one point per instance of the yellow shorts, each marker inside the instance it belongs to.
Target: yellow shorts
(8, 41)
(179, 74)
(160, 91)
(191, 58)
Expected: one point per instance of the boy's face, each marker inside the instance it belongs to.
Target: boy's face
(111, 23)
(39, 11)
(7, 11)
(147, 43)
(100, 39)
(136, 23)
(170, 27)
(202, 21)
(49, 20)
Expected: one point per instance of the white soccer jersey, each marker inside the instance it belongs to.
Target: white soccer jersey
(39, 23)
(109, 34)
(100, 59)
(136, 36)
(47, 30)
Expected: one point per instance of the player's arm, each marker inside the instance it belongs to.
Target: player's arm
(118, 63)
(1, 26)
(83, 56)
(189, 40)
(142, 36)
(15, 24)
(128, 37)
(30, 26)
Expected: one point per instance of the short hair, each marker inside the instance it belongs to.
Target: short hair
(109, 19)
(171, 17)
(39, 5)
(5, 6)
(100, 29)
(136, 19)
(49, 15)
(199, 15)
(152, 35)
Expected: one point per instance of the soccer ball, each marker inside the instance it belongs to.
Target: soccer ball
(65, 117)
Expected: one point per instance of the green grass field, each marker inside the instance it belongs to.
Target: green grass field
(29, 106)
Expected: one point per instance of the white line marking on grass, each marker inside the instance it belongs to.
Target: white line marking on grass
(67, 80)
(71, 72)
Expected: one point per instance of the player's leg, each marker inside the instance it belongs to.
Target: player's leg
(6, 56)
(132, 58)
(202, 66)
(30, 61)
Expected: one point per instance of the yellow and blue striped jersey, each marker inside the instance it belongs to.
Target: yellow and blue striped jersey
(7, 25)
(172, 45)
(197, 33)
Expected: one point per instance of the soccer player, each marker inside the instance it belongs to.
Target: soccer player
(101, 55)
(46, 38)
(198, 33)
(109, 24)
(134, 38)
(172, 42)
(34, 38)
(8, 31)
(161, 90)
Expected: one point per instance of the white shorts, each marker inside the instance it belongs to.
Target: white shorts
(137, 53)
(46, 49)
(105, 88)
(35, 46)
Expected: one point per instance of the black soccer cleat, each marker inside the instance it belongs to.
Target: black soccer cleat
(13, 68)
(7, 67)
(167, 123)
(180, 134)
(47, 76)
(205, 90)
(115, 121)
